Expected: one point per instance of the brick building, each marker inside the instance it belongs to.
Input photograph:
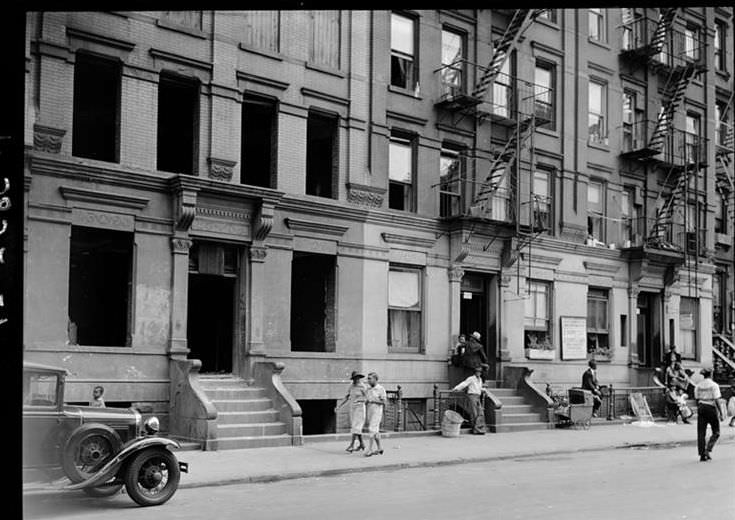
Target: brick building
(339, 190)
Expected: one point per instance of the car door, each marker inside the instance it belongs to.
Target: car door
(42, 415)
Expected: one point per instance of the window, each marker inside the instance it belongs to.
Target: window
(623, 330)
(191, 19)
(597, 24)
(452, 63)
(542, 200)
(597, 112)
(402, 60)
(632, 127)
(325, 38)
(720, 212)
(723, 131)
(451, 168)
(96, 118)
(720, 39)
(100, 265)
(262, 30)
(40, 389)
(548, 14)
(688, 325)
(537, 321)
(632, 29)
(597, 321)
(259, 142)
(693, 132)
(503, 91)
(404, 308)
(691, 43)
(178, 106)
(400, 173)
(596, 211)
(545, 92)
(313, 316)
(500, 198)
(321, 155)
(718, 286)
(629, 216)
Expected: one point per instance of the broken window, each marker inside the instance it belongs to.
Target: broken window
(404, 308)
(96, 117)
(259, 142)
(100, 269)
(321, 155)
(313, 318)
(178, 122)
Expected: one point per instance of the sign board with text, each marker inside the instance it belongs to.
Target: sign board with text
(573, 338)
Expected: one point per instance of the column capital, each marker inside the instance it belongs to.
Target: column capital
(180, 246)
(258, 254)
(456, 273)
(634, 291)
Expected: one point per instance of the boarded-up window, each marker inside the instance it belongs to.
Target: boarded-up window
(325, 38)
(191, 19)
(262, 30)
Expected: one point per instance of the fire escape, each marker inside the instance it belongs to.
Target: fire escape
(676, 57)
(516, 108)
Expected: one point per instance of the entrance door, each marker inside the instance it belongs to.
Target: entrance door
(209, 322)
(649, 337)
(477, 313)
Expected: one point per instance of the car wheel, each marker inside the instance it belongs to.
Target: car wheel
(103, 491)
(152, 477)
(89, 448)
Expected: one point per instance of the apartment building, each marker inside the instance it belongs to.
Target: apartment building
(351, 190)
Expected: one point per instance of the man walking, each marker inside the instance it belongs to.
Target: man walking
(589, 382)
(473, 384)
(706, 393)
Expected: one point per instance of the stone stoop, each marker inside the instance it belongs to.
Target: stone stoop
(245, 415)
(518, 415)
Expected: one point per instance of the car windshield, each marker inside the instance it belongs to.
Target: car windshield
(40, 389)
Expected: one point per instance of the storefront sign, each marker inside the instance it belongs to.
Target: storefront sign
(573, 338)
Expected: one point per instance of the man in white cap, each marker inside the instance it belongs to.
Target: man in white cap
(706, 393)
(474, 355)
(473, 384)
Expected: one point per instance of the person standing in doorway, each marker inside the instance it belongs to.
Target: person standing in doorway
(97, 393)
(473, 386)
(706, 393)
(474, 354)
(356, 395)
(589, 382)
(376, 398)
(671, 357)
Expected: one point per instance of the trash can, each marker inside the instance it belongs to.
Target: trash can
(451, 423)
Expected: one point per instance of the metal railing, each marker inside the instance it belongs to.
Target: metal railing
(724, 138)
(678, 49)
(399, 416)
(444, 400)
(677, 148)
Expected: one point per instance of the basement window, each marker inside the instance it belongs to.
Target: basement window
(259, 143)
(178, 122)
(321, 155)
(318, 416)
(313, 317)
(100, 272)
(96, 119)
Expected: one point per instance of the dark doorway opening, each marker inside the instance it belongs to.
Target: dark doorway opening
(209, 321)
(477, 313)
(96, 108)
(318, 416)
(100, 269)
(312, 302)
(178, 123)
(646, 337)
(258, 161)
(321, 155)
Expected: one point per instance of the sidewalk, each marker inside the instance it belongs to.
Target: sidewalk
(214, 468)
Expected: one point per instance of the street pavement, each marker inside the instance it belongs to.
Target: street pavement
(209, 468)
(636, 483)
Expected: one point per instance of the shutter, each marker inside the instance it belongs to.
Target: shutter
(325, 38)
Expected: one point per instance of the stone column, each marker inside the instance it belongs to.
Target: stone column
(455, 286)
(633, 325)
(179, 297)
(255, 303)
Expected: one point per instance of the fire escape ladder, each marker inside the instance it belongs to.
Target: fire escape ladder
(663, 215)
(725, 182)
(665, 22)
(518, 24)
(674, 90)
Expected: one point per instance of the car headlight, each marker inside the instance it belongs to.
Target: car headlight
(152, 425)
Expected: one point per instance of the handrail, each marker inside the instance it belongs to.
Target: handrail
(267, 374)
(520, 378)
(192, 416)
(721, 354)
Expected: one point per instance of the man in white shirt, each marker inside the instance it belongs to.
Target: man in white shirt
(706, 393)
(473, 384)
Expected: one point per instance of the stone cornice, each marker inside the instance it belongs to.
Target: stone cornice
(535, 259)
(307, 92)
(605, 269)
(182, 60)
(406, 240)
(261, 80)
(80, 34)
(106, 197)
(310, 226)
(406, 118)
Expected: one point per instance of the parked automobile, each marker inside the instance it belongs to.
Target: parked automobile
(99, 449)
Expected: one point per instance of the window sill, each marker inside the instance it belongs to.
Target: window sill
(598, 146)
(724, 74)
(164, 24)
(393, 350)
(546, 131)
(403, 92)
(261, 52)
(324, 69)
(599, 43)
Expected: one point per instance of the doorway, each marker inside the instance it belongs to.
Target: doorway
(477, 313)
(649, 335)
(209, 321)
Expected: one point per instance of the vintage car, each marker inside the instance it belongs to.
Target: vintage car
(99, 449)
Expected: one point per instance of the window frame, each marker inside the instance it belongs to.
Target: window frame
(598, 296)
(600, 139)
(549, 202)
(550, 15)
(550, 67)
(461, 69)
(685, 353)
(531, 322)
(600, 24)
(447, 190)
(398, 137)
(419, 270)
(413, 75)
(720, 46)
(314, 41)
(601, 212)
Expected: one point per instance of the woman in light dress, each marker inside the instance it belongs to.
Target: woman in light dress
(356, 395)
(376, 398)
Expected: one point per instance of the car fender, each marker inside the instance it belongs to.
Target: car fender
(110, 469)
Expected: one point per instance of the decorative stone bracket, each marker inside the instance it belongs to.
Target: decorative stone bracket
(363, 195)
(221, 169)
(47, 139)
(186, 204)
(263, 221)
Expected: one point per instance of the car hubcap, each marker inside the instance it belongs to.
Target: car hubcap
(153, 476)
(92, 453)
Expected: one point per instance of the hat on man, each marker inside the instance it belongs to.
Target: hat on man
(706, 372)
(476, 335)
(356, 375)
